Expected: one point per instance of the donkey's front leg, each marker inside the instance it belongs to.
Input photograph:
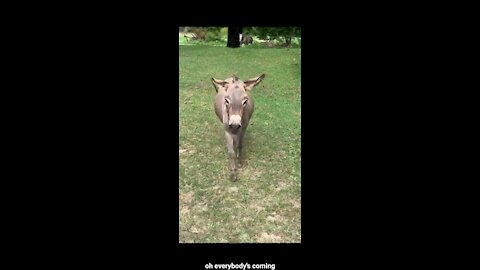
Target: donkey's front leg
(232, 156)
(239, 147)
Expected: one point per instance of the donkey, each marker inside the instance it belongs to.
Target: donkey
(234, 108)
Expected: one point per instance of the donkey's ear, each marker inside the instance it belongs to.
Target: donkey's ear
(218, 84)
(250, 83)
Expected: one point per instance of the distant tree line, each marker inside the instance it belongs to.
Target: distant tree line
(236, 35)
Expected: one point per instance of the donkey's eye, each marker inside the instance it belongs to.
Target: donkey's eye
(227, 102)
(244, 102)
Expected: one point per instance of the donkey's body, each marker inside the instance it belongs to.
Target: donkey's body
(234, 107)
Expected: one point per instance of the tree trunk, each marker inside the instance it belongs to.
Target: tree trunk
(288, 41)
(234, 36)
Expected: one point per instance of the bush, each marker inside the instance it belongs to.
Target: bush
(224, 33)
(213, 33)
(282, 34)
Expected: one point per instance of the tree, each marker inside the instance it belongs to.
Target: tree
(234, 36)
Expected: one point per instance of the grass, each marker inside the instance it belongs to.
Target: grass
(264, 205)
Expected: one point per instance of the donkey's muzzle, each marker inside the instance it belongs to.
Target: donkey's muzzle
(235, 126)
(235, 122)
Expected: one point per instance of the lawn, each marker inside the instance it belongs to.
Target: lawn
(263, 206)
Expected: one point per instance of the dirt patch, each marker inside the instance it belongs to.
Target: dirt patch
(257, 208)
(194, 230)
(275, 218)
(251, 173)
(202, 206)
(187, 150)
(269, 238)
(295, 203)
(283, 184)
(184, 211)
(186, 197)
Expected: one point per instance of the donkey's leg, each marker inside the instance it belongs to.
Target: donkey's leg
(240, 146)
(231, 155)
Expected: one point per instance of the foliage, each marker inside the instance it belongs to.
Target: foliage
(215, 33)
(273, 33)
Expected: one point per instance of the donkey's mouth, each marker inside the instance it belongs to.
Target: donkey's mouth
(234, 130)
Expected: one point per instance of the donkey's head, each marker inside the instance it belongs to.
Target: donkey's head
(235, 99)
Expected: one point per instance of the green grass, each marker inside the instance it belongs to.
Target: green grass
(182, 40)
(264, 204)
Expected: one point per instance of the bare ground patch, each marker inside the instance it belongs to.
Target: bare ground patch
(269, 238)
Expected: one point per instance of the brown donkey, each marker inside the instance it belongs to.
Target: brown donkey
(234, 108)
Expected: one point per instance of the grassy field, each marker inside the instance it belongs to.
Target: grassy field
(263, 206)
